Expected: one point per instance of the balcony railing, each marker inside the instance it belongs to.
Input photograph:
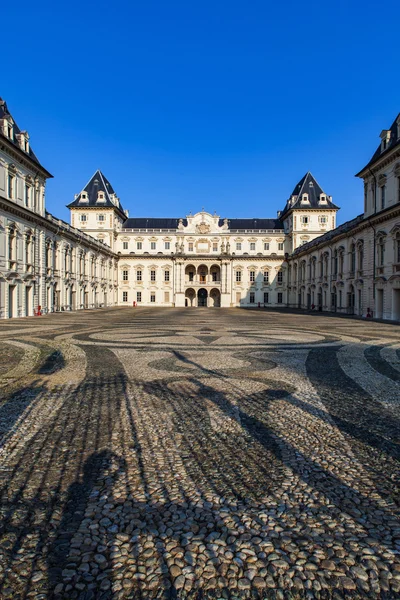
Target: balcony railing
(202, 281)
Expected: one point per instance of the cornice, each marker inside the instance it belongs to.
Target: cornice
(54, 227)
(21, 157)
(385, 215)
(380, 162)
(200, 257)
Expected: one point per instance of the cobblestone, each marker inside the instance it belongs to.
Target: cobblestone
(199, 454)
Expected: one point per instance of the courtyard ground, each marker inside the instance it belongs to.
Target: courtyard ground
(201, 453)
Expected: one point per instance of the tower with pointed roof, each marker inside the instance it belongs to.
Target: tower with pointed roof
(97, 210)
(309, 212)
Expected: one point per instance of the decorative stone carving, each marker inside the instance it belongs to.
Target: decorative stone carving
(203, 228)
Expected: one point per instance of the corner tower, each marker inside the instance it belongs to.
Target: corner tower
(309, 212)
(97, 210)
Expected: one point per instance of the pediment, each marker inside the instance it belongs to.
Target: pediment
(203, 223)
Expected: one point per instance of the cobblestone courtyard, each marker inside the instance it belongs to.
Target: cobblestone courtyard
(199, 453)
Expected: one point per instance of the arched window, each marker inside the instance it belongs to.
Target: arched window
(352, 258)
(381, 251)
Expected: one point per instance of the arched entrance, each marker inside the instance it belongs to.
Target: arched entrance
(351, 300)
(215, 298)
(202, 296)
(190, 297)
(319, 299)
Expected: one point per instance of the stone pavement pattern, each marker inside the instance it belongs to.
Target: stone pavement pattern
(199, 453)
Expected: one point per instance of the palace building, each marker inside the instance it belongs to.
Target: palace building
(106, 258)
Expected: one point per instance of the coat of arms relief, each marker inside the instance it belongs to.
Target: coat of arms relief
(203, 227)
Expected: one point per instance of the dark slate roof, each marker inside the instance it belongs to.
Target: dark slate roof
(4, 112)
(394, 141)
(244, 224)
(307, 185)
(330, 235)
(152, 223)
(98, 183)
(234, 224)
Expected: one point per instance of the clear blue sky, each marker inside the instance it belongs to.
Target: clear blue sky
(222, 104)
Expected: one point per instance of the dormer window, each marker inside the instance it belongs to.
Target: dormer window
(23, 141)
(304, 199)
(10, 132)
(100, 197)
(311, 184)
(84, 197)
(323, 199)
(385, 139)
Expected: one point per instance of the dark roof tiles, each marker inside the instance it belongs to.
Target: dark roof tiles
(308, 185)
(98, 183)
(4, 112)
(152, 223)
(394, 140)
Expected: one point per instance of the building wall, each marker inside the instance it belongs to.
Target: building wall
(364, 282)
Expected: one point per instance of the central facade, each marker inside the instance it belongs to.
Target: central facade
(202, 260)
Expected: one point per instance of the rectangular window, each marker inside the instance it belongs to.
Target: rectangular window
(10, 186)
(138, 297)
(152, 275)
(215, 247)
(238, 276)
(124, 296)
(214, 276)
(252, 297)
(27, 194)
(139, 245)
(166, 296)
(266, 276)
(83, 218)
(280, 246)
(138, 275)
(304, 220)
(266, 246)
(190, 246)
(124, 275)
(191, 276)
(280, 277)
(167, 245)
(252, 245)
(153, 245)
(252, 275)
(323, 219)
(166, 275)
(266, 297)
(125, 245)
(280, 296)
(152, 297)
(383, 197)
(101, 218)
(238, 246)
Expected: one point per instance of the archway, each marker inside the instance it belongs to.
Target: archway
(202, 273)
(190, 297)
(351, 300)
(202, 296)
(319, 299)
(190, 273)
(215, 298)
(215, 273)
